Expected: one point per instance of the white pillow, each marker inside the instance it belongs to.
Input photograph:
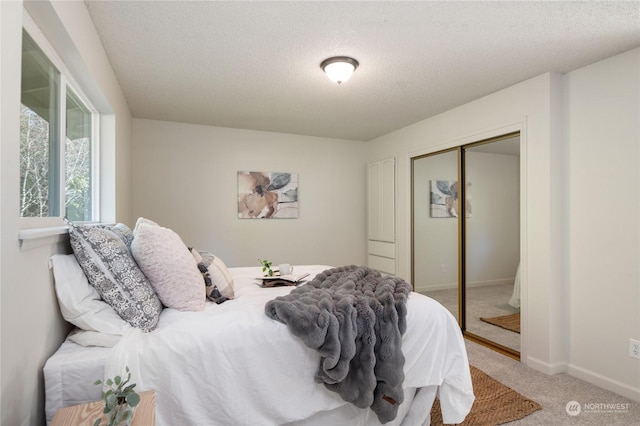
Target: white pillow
(79, 302)
(142, 220)
(169, 266)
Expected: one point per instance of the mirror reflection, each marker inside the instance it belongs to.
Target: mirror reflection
(487, 287)
(492, 242)
(435, 228)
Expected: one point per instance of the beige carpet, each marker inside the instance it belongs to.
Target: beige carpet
(508, 322)
(495, 403)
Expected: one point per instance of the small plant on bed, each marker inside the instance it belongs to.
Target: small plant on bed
(266, 267)
(120, 400)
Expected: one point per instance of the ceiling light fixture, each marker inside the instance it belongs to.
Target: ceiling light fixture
(339, 68)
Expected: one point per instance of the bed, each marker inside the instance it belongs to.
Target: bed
(230, 364)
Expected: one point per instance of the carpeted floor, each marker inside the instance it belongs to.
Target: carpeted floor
(554, 393)
(485, 301)
(495, 403)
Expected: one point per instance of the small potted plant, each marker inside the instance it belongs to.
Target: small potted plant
(120, 400)
(266, 267)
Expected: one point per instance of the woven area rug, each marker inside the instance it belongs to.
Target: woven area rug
(495, 403)
(508, 322)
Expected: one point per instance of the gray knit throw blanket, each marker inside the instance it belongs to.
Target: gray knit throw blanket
(355, 318)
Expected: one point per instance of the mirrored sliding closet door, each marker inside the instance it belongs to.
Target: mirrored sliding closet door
(466, 255)
(435, 228)
(492, 241)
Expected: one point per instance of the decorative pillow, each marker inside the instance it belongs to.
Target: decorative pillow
(79, 302)
(122, 231)
(142, 220)
(203, 270)
(109, 267)
(171, 269)
(220, 276)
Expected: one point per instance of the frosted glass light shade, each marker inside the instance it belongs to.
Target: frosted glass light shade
(339, 68)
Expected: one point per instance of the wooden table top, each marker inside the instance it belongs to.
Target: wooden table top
(86, 414)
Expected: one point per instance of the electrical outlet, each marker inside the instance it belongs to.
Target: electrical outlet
(634, 348)
(443, 268)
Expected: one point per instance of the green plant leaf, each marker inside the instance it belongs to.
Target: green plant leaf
(128, 389)
(118, 391)
(133, 399)
(110, 401)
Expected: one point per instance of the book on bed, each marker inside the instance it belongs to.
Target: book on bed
(280, 280)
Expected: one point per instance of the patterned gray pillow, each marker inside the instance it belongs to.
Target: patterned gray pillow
(110, 268)
(122, 231)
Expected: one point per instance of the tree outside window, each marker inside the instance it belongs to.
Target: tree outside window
(41, 152)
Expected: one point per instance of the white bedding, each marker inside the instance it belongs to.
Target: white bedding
(69, 376)
(515, 296)
(232, 365)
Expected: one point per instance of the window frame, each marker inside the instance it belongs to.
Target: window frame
(66, 83)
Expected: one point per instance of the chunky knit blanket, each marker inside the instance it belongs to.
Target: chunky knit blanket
(355, 318)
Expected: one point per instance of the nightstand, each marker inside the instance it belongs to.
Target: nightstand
(86, 414)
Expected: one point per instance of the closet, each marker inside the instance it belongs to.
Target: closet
(381, 240)
(465, 239)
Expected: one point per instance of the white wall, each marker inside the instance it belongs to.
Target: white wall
(185, 178)
(30, 323)
(580, 213)
(493, 230)
(602, 128)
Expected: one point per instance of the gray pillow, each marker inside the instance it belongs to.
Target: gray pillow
(122, 231)
(107, 262)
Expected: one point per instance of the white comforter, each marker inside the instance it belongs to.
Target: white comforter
(232, 365)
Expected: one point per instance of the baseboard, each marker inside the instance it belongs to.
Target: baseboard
(605, 382)
(586, 375)
(545, 367)
(445, 286)
(490, 282)
(449, 286)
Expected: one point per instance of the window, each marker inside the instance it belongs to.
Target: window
(56, 179)
(78, 167)
(38, 133)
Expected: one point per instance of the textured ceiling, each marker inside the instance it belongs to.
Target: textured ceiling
(255, 65)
